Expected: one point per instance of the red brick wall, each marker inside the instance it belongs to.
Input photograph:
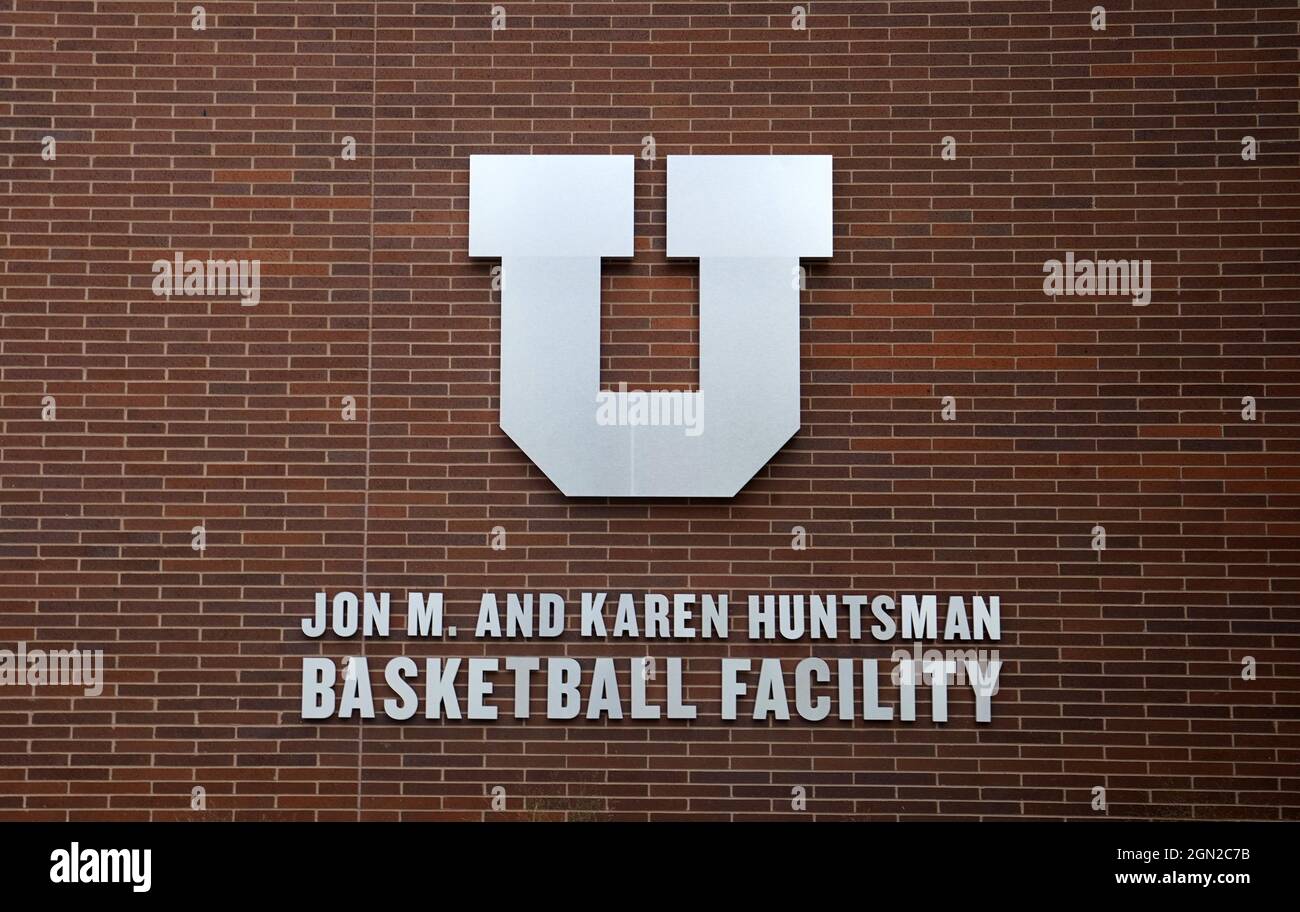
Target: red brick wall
(1123, 669)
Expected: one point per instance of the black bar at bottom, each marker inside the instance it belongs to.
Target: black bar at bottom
(914, 861)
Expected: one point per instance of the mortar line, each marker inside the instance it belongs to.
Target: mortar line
(370, 361)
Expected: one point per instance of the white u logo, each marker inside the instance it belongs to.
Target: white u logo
(748, 218)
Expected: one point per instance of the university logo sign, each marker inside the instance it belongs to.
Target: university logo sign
(747, 219)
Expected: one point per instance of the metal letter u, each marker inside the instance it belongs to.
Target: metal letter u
(747, 218)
